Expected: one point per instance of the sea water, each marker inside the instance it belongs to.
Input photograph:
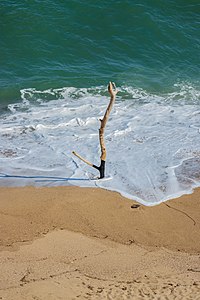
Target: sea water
(56, 61)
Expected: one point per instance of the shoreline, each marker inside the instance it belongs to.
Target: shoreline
(83, 243)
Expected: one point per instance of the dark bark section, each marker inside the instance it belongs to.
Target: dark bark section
(101, 169)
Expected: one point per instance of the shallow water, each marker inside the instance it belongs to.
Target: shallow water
(149, 142)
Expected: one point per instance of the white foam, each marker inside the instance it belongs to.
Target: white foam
(149, 139)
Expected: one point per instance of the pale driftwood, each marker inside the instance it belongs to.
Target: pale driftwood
(113, 92)
(83, 159)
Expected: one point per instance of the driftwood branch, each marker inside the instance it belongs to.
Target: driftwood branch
(81, 158)
(113, 92)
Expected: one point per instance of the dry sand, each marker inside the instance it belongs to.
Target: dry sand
(79, 243)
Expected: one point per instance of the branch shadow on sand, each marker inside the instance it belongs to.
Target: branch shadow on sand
(40, 178)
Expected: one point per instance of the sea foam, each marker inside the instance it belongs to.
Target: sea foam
(153, 145)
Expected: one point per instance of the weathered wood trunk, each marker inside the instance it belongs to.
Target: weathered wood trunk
(112, 90)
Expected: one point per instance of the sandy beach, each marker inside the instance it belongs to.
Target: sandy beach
(84, 243)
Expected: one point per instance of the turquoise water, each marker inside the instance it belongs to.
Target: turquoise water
(150, 45)
(56, 60)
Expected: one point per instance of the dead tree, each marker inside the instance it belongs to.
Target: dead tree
(113, 92)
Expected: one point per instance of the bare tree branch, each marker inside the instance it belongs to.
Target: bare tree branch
(113, 92)
(81, 158)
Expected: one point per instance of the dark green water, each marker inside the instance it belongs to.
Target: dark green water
(150, 45)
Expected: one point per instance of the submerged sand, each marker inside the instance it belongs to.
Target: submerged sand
(83, 243)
